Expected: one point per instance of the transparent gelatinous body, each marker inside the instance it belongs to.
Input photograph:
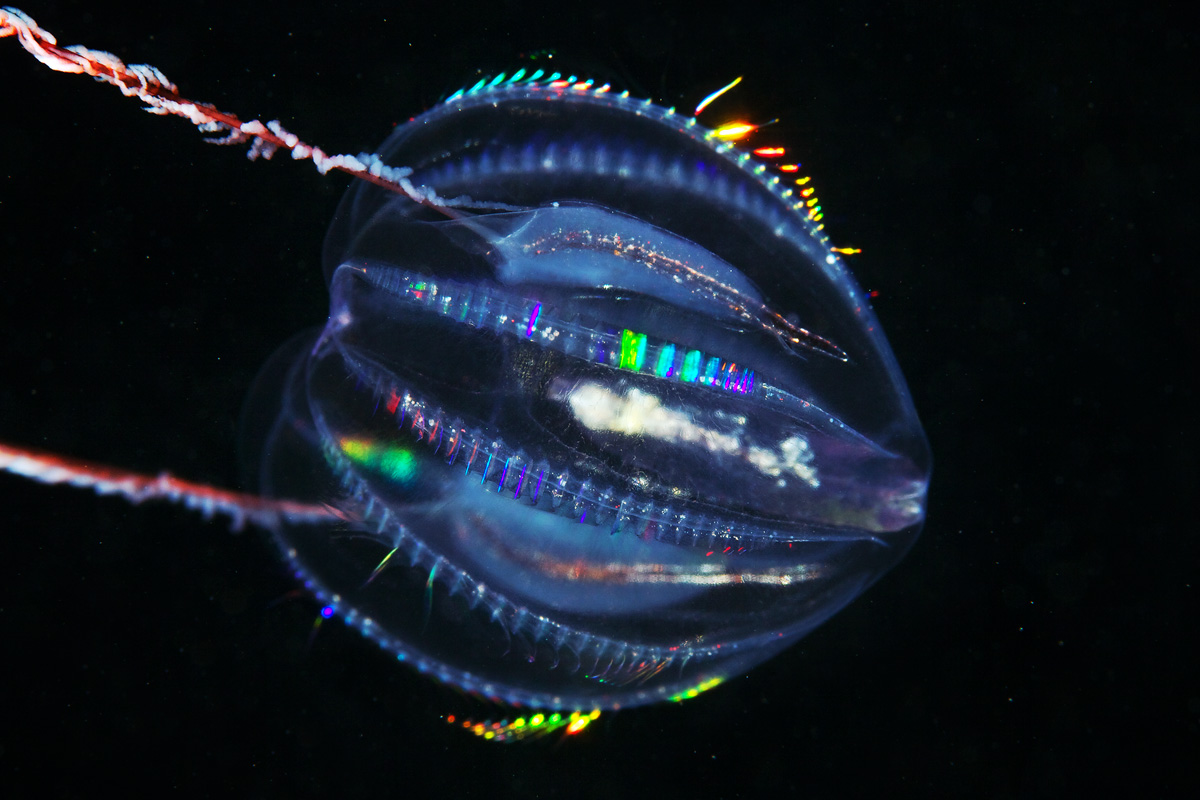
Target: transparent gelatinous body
(611, 425)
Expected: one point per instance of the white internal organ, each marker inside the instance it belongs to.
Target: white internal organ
(638, 413)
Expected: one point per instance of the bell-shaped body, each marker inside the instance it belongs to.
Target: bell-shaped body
(607, 419)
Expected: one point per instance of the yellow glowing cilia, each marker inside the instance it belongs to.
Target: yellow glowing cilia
(527, 727)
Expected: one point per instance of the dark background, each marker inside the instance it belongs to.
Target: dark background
(1022, 182)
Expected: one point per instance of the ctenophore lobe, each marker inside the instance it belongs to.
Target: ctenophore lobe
(607, 419)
